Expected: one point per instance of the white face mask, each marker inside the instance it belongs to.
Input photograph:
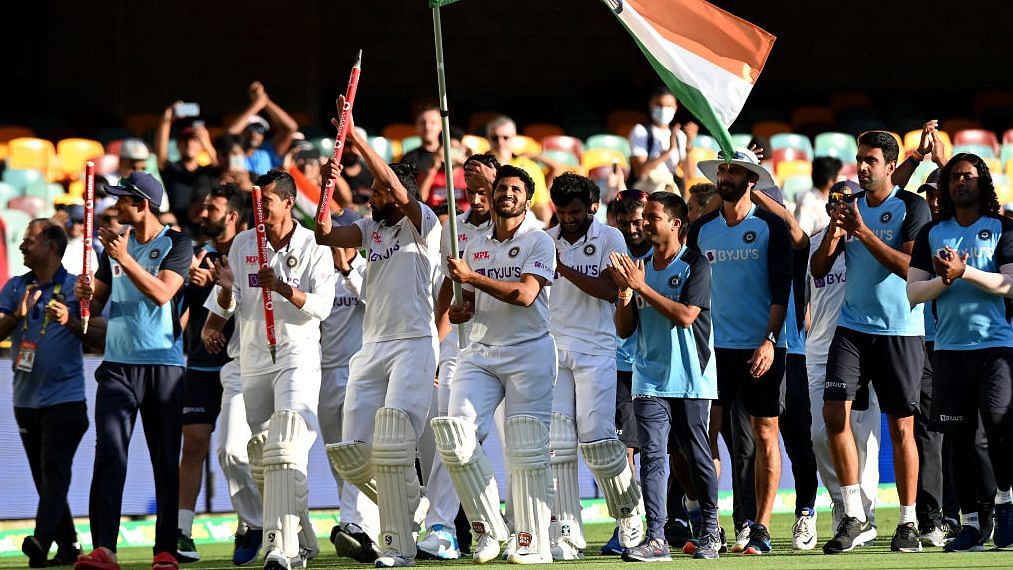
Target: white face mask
(662, 115)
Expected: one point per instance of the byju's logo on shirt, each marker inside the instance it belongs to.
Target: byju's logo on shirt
(719, 255)
(829, 279)
(749, 237)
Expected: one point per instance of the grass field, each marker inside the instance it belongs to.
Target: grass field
(878, 556)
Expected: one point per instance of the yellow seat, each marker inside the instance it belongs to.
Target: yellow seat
(913, 138)
(787, 168)
(475, 144)
(993, 164)
(525, 146)
(595, 157)
(73, 153)
(32, 154)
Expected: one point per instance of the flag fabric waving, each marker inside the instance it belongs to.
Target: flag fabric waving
(709, 58)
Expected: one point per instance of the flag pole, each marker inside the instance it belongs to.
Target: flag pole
(448, 163)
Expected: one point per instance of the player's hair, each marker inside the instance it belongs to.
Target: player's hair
(408, 176)
(499, 121)
(234, 196)
(426, 108)
(510, 171)
(704, 192)
(486, 159)
(284, 184)
(989, 201)
(625, 206)
(52, 233)
(674, 205)
(568, 187)
(883, 141)
(825, 170)
(661, 91)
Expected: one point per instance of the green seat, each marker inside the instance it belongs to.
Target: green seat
(151, 167)
(793, 141)
(16, 223)
(794, 186)
(984, 151)
(562, 157)
(837, 145)
(706, 141)
(382, 147)
(920, 174)
(613, 142)
(7, 192)
(324, 144)
(21, 179)
(409, 144)
(1006, 153)
(742, 140)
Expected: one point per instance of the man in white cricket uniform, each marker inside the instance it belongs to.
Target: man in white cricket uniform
(391, 377)
(510, 356)
(280, 393)
(584, 403)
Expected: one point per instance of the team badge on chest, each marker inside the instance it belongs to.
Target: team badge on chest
(886, 217)
(155, 253)
(749, 237)
(513, 251)
(985, 235)
(674, 281)
(292, 261)
(589, 249)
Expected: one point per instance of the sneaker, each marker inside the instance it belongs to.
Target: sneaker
(247, 546)
(936, 534)
(164, 561)
(66, 555)
(99, 559)
(759, 540)
(486, 549)
(36, 553)
(526, 554)
(439, 544)
(305, 555)
(804, 531)
(612, 547)
(678, 533)
(509, 547)
(850, 533)
(562, 548)
(1003, 535)
(631, 530)
(350, 541)
(275, 559)
(742, 537)
(186, 551)
(392, 558)
(709, 546)
(969, 539)
(654, 550)
(905, 539)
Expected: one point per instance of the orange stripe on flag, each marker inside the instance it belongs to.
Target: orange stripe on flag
(721, 38)
(309, 190)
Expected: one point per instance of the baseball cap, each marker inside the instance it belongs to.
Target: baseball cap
(774, 193)
(258, 123)
(134, 149)
(140, 185)
(931, 181)
(76, 213)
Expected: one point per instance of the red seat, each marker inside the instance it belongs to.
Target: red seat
(783, 154)
(31, 205)
(564, 143)
(977, 136)
(812, 120)
(1007, 137)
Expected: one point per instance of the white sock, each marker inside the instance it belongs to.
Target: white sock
(692, 506)
(186, 521)
(1004, 497)
(970, 520)
(853, 502)
(908, 515)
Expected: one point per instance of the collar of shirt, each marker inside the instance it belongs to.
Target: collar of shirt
(751, 213)
(524, 228)
(592, 234)
(59, 277)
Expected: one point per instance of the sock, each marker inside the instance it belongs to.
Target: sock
(186, 522)
(692, 506)
(853, 502)
(1004, 497)
(970, 520)
(908, 515)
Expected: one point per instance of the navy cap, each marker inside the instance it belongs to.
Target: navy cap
(931, 181)
(140, 185)
(774, 193)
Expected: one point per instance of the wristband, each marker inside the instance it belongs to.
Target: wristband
(627, 295)
(917, 156)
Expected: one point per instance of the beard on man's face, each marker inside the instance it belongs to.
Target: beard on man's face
(730, 192)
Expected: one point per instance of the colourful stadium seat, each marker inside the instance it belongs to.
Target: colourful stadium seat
(47, 192)
(780, 155)
(787, 168)
(398, 131)
(793, 186)
(73, 153)
(564, 143)
(697, 154)
(955, 124)
(479, 119)
(7, 192)
(539, 131)
(812, 119)
(742, 140)
(849, 170)
(525, 146)
(11, 132)
(977, 136)
(33, 206)
(597, 157)
(323, 144)
(794, 141)
(849, 100)
(33, 154)
(613, 142)
(21, 179)
(383, 147)
(409, 144)
(562, 157)
(913, 138)
(620, 122)
(1006, 153)
(838, 145)
(1007, 137)
(993, 164)
(770, 128)
(15, 224)
(920, 174)
(984, 151)
(475, 144)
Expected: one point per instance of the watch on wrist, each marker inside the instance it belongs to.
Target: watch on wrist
(772, 338)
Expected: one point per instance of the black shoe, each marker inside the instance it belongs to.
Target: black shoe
(677, 533)
(759, 540)
(905, 539)
(849, 535)
(186, 551)
(709, 546)
(969, 539)
(66, 555)
(350, 541)
(36, 553)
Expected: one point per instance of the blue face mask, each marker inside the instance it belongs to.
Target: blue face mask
(662, 115)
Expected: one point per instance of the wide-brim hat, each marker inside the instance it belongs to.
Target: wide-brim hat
(742, 157)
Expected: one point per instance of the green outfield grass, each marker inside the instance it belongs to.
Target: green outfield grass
(877, 556)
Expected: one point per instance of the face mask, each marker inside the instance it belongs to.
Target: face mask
(662, 115)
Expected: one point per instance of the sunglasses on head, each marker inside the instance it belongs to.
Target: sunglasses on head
(635, 195)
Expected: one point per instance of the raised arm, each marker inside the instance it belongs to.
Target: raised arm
(162, 135)
(283, 124)
(258, 100)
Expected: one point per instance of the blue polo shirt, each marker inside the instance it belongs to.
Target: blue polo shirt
(139, 331)
(967, 317)
(58, 374)
(673, 361)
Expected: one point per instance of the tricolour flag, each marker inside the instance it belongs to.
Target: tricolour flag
(709, 58)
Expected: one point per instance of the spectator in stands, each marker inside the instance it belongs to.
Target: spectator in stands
(355, 173)
(133, 157)
(428, 127)
(433, 181)
(701, 200)
(262, 154)
(186, 181)
(38, 310)
(72, 260)
(501, 131)
(657, 152)
(232, 162)
(811, 207)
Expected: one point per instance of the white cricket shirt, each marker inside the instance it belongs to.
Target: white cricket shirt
(341, 331)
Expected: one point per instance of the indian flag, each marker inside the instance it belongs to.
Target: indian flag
(709, 58)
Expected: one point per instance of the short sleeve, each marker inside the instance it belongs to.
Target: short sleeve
(7, 296)
(697, 291)
(613, 243)
(917, 215)
(921, 255)
(779, 261)
(638, 141)
(541, 260)
(429, 221)
(180, 256)
(366, 227)
(105, 270)
(1004, 249)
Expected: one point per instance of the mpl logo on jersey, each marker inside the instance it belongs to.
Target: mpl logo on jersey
(480, 255)
(252, 260)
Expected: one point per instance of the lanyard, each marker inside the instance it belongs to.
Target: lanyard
(45, 320)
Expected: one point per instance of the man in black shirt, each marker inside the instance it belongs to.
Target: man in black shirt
(186, 181)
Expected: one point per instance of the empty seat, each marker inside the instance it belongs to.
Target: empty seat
(73, 153)
(613, 142)
(525, 146)
(563, 143)
(32, 154)
(409, 144)
(984, 151)
(793, 141)
(539, 131)
(596, 157)
(977, 136)
(475, 144)
(841, 146)
(383, 147)
(621, 121)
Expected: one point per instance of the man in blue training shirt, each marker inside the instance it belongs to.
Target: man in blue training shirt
(879, 334)
(672, 393)
(141, 274)
(38, 311)
(963, 264)
(750, 253)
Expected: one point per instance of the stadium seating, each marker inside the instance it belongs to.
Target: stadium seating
(622, 121)
(786, 154)
(794, 185)
(698, 154)
(838, 145)
(596, 157)
(7, 192)
(984, 151)
(793, 141)
(73, 153)
(475, 144)
(32, 154)
(32, 206)
(525, 146)
(10, 132)
(786, 168)
(16, 223)
(811, 119)
(140, 124)
(562, 157)
(409, 144)
(977, 136)
(770, 128)
(613, 142)
(1006, 153)
(539, 131)
(479, 119)
(398, 131)
(742, 140)
(382, 146)
(706, 141)
(843, 100)
(563, 143)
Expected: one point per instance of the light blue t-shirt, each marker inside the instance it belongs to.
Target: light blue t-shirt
(671, 361)
(968, 318)
(625, 347)
(262, 160)
(57, 377)
(875, 298)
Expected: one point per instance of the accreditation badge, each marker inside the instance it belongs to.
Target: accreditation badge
(25, 359)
